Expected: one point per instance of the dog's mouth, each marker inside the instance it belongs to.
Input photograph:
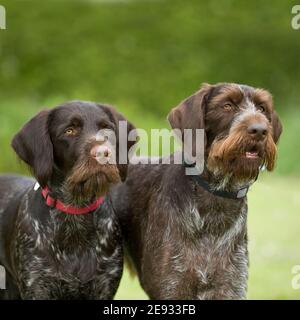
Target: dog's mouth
(241, 157)
(253, 153)
(90, 179)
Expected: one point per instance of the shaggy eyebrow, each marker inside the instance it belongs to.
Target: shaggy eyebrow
(104, 123)
(75, 120)
(262, 96)
(232, 94)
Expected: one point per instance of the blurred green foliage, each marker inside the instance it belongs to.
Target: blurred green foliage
(150, 53)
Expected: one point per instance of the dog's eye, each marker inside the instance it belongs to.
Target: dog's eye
(228, 107)
(261, 108)
(70, 132)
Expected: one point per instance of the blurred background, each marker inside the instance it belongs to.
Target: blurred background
(145, 57)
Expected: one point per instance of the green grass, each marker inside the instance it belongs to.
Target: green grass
(274, 220)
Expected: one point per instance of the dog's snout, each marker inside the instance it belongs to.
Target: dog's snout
(100, 151)
(258, 130)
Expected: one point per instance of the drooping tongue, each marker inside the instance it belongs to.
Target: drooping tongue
(251, 155)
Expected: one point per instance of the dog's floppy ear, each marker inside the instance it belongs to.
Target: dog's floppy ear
(33, 145)
(190, 114)
(117, 117)
(277, 127)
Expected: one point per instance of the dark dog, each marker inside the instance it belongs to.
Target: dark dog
(62, 241)
(187, 235)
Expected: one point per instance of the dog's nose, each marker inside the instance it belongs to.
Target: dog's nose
(258, 130)
(100, 152)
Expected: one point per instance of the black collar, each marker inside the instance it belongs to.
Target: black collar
(241, 193)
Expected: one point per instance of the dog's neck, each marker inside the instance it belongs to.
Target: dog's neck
(225, 182)
(69, 231)
(219, 180)
(214, 220)
(59, 191)
(56, 183)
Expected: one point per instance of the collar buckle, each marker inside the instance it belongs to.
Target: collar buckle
(242, 192)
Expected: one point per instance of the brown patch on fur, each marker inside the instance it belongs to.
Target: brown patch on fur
(89, 180)
(271, 153)
(228, 93)
(263, 96)
(227, 155)
(180, 116)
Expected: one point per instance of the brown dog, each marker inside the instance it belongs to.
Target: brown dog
(187, 235)
(62, 240)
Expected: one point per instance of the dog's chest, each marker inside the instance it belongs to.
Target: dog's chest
(74, 241)
(221, 265)
(211, 261)
(69, 254)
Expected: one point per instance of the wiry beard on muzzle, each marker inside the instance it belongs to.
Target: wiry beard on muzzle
(227, 156)
(89, 180)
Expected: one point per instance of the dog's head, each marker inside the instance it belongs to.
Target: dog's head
(240, 124)
(76, 142)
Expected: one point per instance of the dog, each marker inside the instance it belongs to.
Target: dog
(60, 238)
(186, 235)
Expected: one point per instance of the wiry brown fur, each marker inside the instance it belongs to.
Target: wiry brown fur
(186, 242)
(227, 154)
(89, 180)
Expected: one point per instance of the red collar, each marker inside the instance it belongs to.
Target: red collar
(55, 203)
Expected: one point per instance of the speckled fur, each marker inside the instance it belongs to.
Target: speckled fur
(199, 250)
(184, 242)
(50, 254)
